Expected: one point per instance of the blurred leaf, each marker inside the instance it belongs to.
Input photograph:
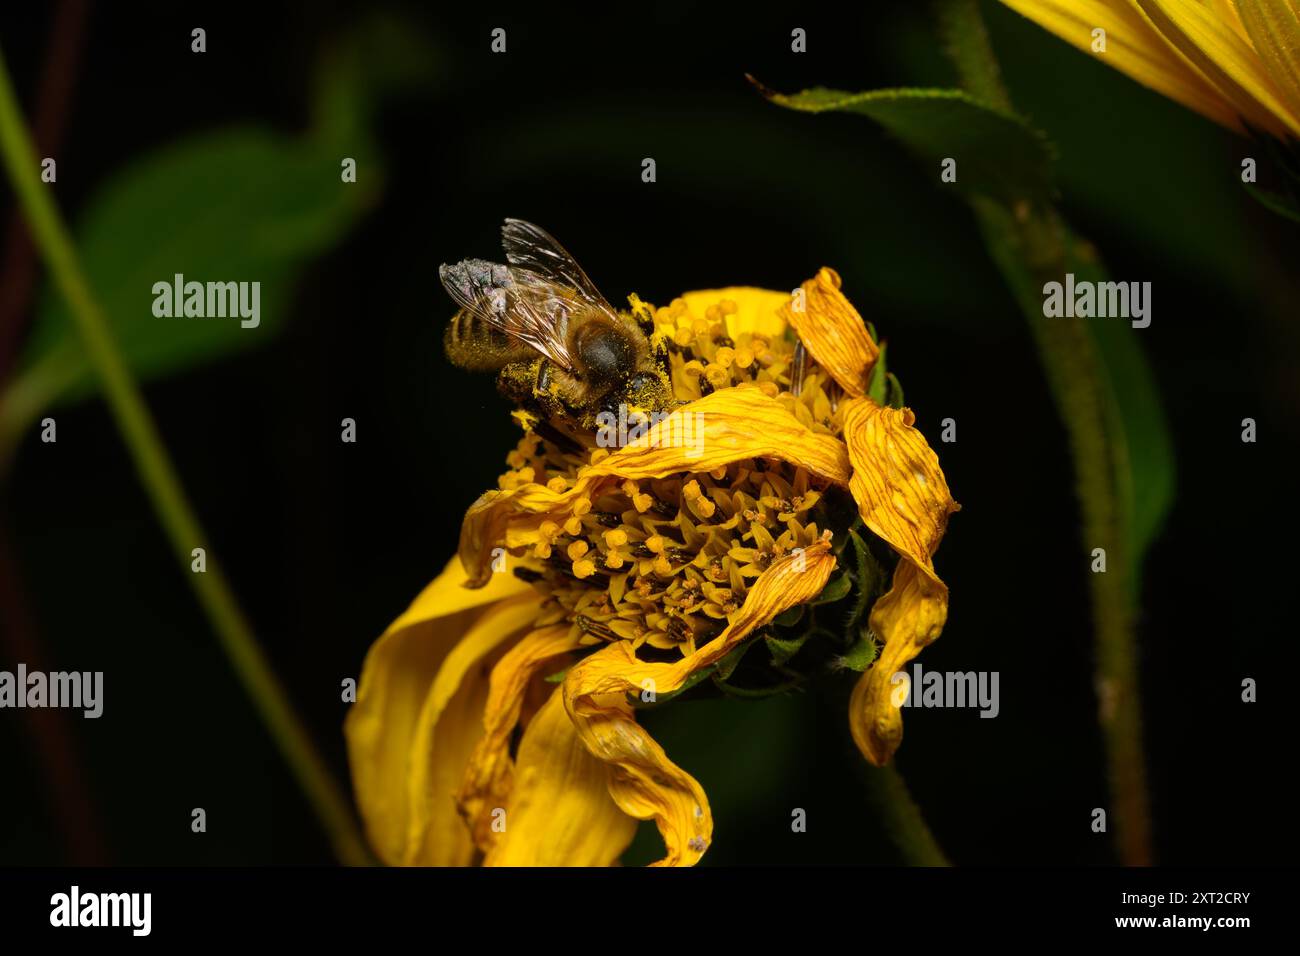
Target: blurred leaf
(239, 205)
(1275, 202)
(998, 154)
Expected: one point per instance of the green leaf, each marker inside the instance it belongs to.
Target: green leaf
(782, 649)
(895, 391)
(861, 655)
(870, 578)
(789, 617)
(878, 384)
(835, 590)
(242, 205)
(702, 674)
(997, 153)
(727, 666)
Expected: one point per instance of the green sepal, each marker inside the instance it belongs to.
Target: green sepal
(861, 655)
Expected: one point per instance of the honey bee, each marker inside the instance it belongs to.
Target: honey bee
(559, 348)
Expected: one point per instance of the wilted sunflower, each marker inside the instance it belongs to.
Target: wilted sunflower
(496, 719)
(1234, 61)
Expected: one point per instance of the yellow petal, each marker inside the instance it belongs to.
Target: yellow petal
(643, 781)
(732, 424)
(833, 332)
(903, 498)
(901, 492)
(490, 773)
(757, 310)
(1134, 47)
(396, 683)
(907, 618)
(1274, 30)
(448, 730)
(1226, 59)
(559, 812)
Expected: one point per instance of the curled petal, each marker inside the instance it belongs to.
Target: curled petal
(757, 310)
(833, 332)
(907, 618)
(903, 498)
(490, 773)
(728, 425)
(401, 732)
(643, 781)
(559, 812)
(901, 492)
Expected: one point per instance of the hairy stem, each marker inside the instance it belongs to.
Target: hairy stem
(1031, 245)
(902, 818)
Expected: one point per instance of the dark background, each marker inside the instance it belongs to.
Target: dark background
(327, 542)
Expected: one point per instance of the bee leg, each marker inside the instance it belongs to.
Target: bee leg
(516, 380)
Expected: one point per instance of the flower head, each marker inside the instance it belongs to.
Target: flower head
(635, 572)
(1234, 61)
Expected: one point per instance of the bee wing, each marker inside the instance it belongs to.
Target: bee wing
(535, 251)
(535, 313)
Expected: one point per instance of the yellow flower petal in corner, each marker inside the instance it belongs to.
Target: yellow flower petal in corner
(559, 812)
(1274, 30)
(907, 618)
(396, 682)
(1134, 47)
(833, 332)
(1227, 59)
(490, 773)
(643, 781)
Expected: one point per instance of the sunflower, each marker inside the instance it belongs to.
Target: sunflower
(496, 720)
(1234, 61)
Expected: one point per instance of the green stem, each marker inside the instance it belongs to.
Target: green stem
(161, 482)
(902, 818)
(1032, 245)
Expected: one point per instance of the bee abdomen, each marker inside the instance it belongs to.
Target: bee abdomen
(478, 346)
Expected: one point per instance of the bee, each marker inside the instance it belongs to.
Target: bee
(558, 347)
